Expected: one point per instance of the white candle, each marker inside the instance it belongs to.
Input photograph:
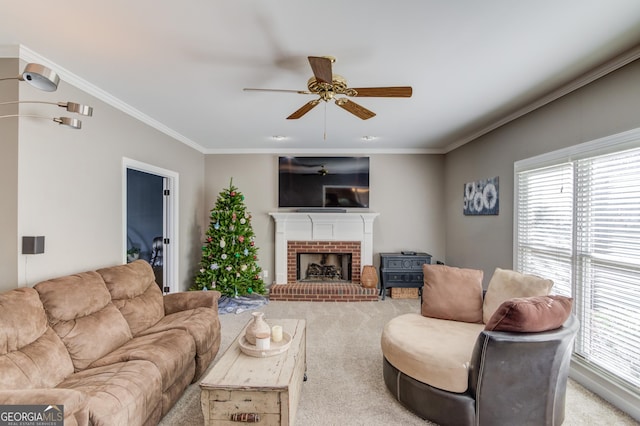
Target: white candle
(263, 342)
(276, 333)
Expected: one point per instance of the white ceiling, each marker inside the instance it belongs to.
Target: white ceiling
(182, 65)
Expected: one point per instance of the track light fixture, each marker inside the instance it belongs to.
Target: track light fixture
(69, 106)
(46, 79)
(73, 123)
(38, 76)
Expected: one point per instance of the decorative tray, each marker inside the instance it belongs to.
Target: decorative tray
(275, 347)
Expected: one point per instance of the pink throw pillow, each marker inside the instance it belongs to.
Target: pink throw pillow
(531, 314)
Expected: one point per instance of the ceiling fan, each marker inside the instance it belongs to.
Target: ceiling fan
(322, 171)
(327, 85)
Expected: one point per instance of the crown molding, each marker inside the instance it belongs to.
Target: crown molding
(24, 53)
(589, 77)
(341, 151)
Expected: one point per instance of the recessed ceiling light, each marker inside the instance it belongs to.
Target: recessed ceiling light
(368, 138)
(278, 138)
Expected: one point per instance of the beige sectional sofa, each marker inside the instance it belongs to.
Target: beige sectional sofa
(105, 344)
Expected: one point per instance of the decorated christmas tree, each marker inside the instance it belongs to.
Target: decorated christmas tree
(229, 255)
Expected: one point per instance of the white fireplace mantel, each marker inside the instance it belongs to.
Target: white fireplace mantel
(298, 226)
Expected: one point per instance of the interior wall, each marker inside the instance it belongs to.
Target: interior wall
(407, 191)
(70, 185)
(8, 176)
(607, 106)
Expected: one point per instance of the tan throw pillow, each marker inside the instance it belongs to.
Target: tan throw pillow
(452, 293)
(506, 284)
(531, 314)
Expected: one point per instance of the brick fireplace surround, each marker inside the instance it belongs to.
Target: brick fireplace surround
(322, 233)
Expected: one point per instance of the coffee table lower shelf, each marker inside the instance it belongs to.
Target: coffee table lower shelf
(241, 388)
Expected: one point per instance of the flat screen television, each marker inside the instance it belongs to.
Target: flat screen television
(323, 182)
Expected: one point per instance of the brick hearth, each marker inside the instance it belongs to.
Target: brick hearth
(322, 292)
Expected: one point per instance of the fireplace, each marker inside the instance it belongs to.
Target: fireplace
(323, 267)
(334, 246)
(346, 251)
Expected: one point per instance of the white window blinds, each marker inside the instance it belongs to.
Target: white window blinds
(545, 224)
(578, 223)
(608, 262)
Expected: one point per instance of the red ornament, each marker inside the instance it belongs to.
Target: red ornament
(241, 238)
(252, 244)
(233, 193)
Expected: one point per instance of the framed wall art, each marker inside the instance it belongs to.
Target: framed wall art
(481, 197)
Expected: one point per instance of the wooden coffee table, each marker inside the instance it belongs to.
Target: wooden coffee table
(240, 387)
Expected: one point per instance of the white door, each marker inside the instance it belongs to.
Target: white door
(149, 219)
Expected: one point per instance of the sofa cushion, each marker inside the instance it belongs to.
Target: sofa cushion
(172, 352)
(531, 314)
(41, 364)
(15, 306)
(126, 393)
(31, 354)
(202, 324)
(506, 284)
(433, 351)
(80, 311)
(452, 293)
(135, 293)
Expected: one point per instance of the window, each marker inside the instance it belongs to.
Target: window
(577, 221)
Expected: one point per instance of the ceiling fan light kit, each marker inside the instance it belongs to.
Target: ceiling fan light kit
(327, 85)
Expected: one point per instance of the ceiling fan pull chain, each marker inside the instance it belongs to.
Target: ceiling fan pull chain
(325, 121)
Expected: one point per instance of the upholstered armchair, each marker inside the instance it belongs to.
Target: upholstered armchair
(505, 364)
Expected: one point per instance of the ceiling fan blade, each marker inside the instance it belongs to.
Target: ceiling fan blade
(305, 109)
(321, 67)
(301, 92)
(355, 109)
(384, 92)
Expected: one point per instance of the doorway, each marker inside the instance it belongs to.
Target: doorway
(149, 220)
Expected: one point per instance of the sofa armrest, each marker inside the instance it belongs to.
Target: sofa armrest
(508, 368)
(74, 402)
(176, 302)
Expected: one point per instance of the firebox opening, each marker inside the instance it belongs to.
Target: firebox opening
(323, 267)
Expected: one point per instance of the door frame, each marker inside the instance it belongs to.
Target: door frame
(170, 218)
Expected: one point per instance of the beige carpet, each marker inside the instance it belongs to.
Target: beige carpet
(344, 367)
